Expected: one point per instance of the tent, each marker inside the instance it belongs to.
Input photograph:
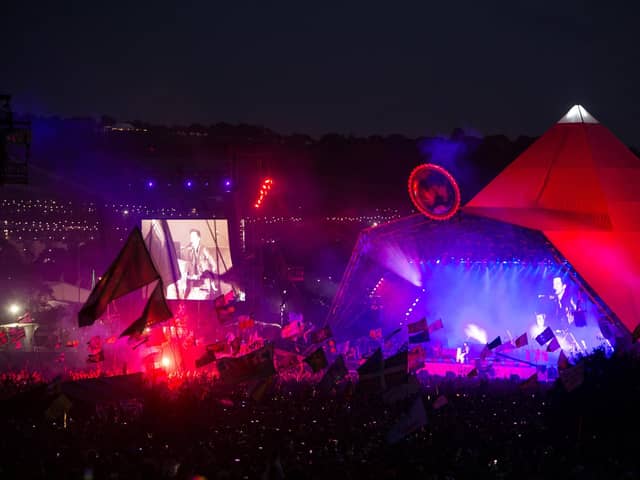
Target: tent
(578, 185)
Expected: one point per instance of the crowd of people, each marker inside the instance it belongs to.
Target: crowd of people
(200, 428)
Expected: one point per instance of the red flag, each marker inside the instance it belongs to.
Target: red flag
(418, 326)
(155, 311)
(553, 345)
(132, 269)
(522, 340)
(563, 361)
(437, 325)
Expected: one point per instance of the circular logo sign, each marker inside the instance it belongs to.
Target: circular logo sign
(434, 191)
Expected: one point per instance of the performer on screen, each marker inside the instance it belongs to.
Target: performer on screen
(200, 266)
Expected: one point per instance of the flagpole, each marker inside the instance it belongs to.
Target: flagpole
(516, 359)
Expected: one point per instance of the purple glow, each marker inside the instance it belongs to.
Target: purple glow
(189, 183)
(150, 183)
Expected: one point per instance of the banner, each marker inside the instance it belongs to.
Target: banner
(253, 366)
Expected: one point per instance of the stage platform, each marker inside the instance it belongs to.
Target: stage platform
(495, 370)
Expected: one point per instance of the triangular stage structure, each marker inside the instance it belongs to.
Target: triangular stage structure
(580, 186)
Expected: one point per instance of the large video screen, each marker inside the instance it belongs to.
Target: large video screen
(191, 256)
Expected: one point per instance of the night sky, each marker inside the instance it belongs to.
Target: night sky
(415, 67)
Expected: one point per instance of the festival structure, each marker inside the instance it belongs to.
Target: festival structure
(551, 241)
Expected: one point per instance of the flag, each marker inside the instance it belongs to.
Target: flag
(417, 356)
(131, 270)
(321, 334)
(261, 388)
(440, 402)
(418, 326)
(245, 322)
(156, 310)
(370, 372)
(293, 329)
(225, 307)
(207, 357)
(395, 369)
(505, 347)
(400, 392)
(253, 366)
(136, 340)
(317, 360)
(485, 352)
(530, 382)
(494, 343)
(522, 340)
(58, 407)
(163, 252)
(553, 345)
(415, 419)
(217, 347)
(545, 336)
(96, 357)
(420, 337)
(437, 325)
(572, 377)
(375, 334)
(563, 361)
(392, 334)
(334, 373)
(285, 360)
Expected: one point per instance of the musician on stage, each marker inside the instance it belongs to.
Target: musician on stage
(565, 304)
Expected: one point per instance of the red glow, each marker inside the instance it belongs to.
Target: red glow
(267, 183)
(414, 191)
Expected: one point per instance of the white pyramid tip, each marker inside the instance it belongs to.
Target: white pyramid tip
(578, 114)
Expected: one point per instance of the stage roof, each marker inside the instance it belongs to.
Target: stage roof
(580, 186)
